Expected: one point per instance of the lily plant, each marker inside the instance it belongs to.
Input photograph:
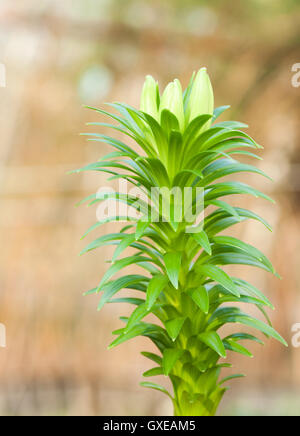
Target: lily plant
(180, 257)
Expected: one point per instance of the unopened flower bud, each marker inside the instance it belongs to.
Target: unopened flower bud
(201, 100)
(173, 101)
(149, 98)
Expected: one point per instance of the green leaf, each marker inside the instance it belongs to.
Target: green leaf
(126, 242)
(115, 218)
(120, 264)
(168, 121)
(154, 332)
(137, 330)
(234, 242)
(213, 340)
(229, 316)
(232, 125)
(260, 325)
(233, 256)
(170, 357)
(154, 357)
(90, 292)
(244, 336)
(155, 287)
(219, 276)
(141, 226)
(155, 387)
(219, 110)
(173, 262)
(129, 300)
(103, 240)
(223, 134)
(223, 205)
(159, 135)
(252, 290)
(220, 220)
(140, 312)
(200, 297)
(231, 377)
(219, 295)
(225, 167)
(194, 127)
(232, 345)
(230, 188)
(111, 288)
(174, 153)
(153, 371)
(156, 170)
(202, 239)
(173, 327)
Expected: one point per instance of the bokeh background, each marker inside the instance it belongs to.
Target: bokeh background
(59, 55)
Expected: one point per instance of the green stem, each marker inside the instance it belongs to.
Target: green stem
(195, 374)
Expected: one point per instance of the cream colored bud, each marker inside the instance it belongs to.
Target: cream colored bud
(149, 97)
(201, 99)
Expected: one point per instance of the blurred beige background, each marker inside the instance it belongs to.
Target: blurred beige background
(59, 55)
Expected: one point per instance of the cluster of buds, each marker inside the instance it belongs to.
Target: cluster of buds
(200, 100)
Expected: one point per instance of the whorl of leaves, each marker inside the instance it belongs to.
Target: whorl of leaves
(181, 280)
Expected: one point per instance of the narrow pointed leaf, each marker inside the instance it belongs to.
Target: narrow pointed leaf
(219, 110)
(126, 242)
(154, 357)
(111, 288)
(140, 312)
(200, 297)
(219, 276)
(153, 371)
(232, 345)
(120, 264)
(244, 336)
(173, 263)
(155, 287)
(231, 377)
(141, 226)
(155, 387)
(173, 327)
(202, 239)
(170, 357)
(213, 340)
